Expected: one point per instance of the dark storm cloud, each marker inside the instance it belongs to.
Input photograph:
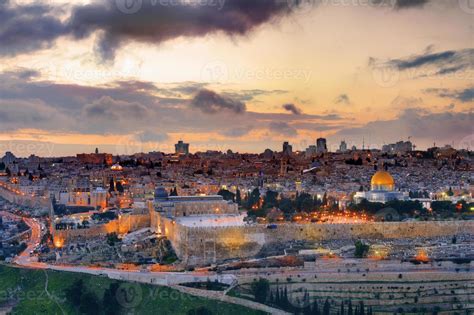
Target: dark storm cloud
(28, 28)
(292, 108)
(210, 102)
(25, 28)
(465, 95)
(156, 22)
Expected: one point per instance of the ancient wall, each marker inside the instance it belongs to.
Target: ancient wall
(197, 245)
(126, 223)
(34, 202)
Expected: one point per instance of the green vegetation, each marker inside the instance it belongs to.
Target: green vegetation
(227, 195)
(112, 238)
(25, 289)
(361, 249)
(260, 290)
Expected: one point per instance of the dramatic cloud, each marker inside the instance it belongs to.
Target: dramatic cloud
(282, 128)
(292, 108)
(342, 99)
(429, 63)
(424, 126)
(28, 28)
(210, 102)
(24, 28)
(465, 96)
(30, 113)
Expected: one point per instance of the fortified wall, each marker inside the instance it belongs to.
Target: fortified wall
(124, 224)
(24, 200)
(203, 245)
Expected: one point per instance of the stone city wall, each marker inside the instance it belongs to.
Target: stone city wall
(198, 245)
(24, 200)
(126, 223)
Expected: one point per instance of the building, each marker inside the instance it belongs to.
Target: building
(287, 148)
(399, 147)
(181, 148)
(9, 158)
(95, 158)
(343, 146)
(382, 189)
(321, 146)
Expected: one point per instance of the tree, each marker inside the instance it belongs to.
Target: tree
(270, 199)
(174, 192)
(89, 303)
(254, 198)
(108, 302)
(238, 197)
(286, 205)
(74, 293)
(111, 185)
(227, 195)
(260, 290)
(112, 238)
(119, 187)
(450, 192)
(326, 307)
(361, 249)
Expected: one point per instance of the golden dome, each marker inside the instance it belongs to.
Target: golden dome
(382, 180)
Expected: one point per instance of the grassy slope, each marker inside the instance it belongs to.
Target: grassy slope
(28, 286)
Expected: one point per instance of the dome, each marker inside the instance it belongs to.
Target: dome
(382, 180)
(161, 193)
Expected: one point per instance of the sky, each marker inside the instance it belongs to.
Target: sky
(131, 76)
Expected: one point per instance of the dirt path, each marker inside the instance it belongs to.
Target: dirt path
(221, 296)
(51, 297)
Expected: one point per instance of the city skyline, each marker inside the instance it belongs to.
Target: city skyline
(233, 75)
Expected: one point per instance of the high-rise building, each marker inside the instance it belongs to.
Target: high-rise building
(181, 148)
(287, 148)
(321, 146)
(343, 146)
